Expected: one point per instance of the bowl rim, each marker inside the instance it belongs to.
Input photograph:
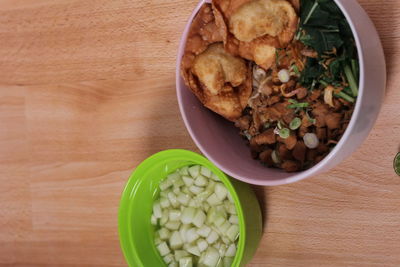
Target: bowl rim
(134, 181)
(317, 168)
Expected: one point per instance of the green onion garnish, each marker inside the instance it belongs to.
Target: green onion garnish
(312, 120)
(323, 83)
(295, 124)
(298, 105)
(351, 80)
(284, 133)
(345, 97)
(296, 69)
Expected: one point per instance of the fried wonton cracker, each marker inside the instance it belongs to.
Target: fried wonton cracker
(221, 81)
(254, 29)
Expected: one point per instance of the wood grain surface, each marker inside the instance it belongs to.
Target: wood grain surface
(87, 92)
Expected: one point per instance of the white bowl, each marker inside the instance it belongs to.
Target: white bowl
(221, 143)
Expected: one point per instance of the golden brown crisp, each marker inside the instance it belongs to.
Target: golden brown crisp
(221, 81)
(254, 29)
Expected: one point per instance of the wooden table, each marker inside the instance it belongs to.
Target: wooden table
(87, 92)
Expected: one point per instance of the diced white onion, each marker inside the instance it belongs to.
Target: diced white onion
(201, 180)
(164, 202)
(179, 254)
(194, 171)
(174, 215)
(213, 199)
(183, 198)
(231, 251)
(153, 220)
(205, 171)
(184, 171)
(202, 245)
(163, 249)
(175, 240)
(233, 232)
(197, 219)
(204, 231)
(187, 215)
(195, 189)
(194, 250)
(211, 257)
(164, 218)
(169, 258)
(212, 237)
(191, 235)
(173, 225)
(187, 180)
(186, 262)
(157, 210)
(234, 219)
(220, 191)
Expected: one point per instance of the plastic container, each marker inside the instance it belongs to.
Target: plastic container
(135, 230)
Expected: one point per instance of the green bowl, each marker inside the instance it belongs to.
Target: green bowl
(135, 230)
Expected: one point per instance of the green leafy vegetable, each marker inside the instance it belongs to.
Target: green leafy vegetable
(324, 28)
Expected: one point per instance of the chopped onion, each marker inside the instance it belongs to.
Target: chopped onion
(164, 217)
(186, 262)
(174, 215)
(205, 171)
(212, 237)
(233, 232)
(173, 200)
(187, 180)
(184, 171)
(211, 257)
(183, 199)
(164, 202)
(201, 180)
(234, 219)
(202, 245)
(175, 240)
(191, 235)
(157, 210)
(163, 233)
(222, 250)
(213, 199)
(163, 249)
(311, 140)
(197, 219)
(204, 231)
(284, 75)
(183, 230)
(153, 220)
(220, 191)
(224, 227)
(194, 171)
(188, 215)
(179, 254)
(231, 251)
(164, 185)
(195, 189)
(173, 225)
(169, 258)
